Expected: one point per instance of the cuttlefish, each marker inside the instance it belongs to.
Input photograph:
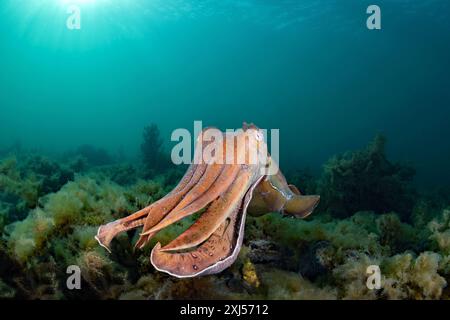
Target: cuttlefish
(231, 174)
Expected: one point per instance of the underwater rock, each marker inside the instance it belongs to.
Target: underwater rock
(267, 252)
(235, 281)
(6, 292)
(315, 261)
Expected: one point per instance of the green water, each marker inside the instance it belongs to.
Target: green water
(310, 68)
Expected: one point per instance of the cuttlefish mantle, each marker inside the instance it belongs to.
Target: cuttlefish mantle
(227, 190)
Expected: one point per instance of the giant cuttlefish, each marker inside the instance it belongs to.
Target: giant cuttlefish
(232, 174)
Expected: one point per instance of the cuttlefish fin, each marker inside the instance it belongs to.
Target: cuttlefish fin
(294, 189)
(274, 194)
(214, 216)
(301, 206)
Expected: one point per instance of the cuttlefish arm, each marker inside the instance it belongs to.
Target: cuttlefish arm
(154, 213)
(215, 215)
(215, 254)
(225, 179)
(107, 232)
(274, 194)
(162, 208)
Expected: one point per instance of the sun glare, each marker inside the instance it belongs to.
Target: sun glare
(76, 24)
(67, 2)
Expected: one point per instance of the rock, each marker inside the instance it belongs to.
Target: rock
(315, 260)
(265, 252)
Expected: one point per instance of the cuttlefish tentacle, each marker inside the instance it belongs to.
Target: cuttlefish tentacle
(207, 180)
(213, 170)
(152, 214)
(214, 255)
(156, 214)
(159, 211)
(217, 178)
(214, 216)
(224, 180)
(109, 231)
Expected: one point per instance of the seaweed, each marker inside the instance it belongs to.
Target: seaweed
(94, 156)
(62, 229)
(366, 180)
(409, 278)
(50, 211)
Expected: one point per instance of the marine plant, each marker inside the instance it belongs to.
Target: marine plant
(95, 156)
(323, 257)
(61, 230)
(152, 149)
(366, 180)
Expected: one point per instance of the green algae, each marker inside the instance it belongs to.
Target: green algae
(323, 257)
(366, 180)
